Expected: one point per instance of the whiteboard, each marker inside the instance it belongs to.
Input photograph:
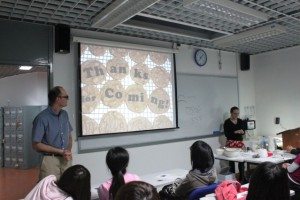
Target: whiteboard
(203, 105)
(204, 102)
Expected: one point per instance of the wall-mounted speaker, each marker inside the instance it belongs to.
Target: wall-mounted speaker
(245, 61)
(62, 38)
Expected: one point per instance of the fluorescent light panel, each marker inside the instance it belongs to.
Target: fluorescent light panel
(251, 35)
(228, 10)
(120, 11)
(25, 68)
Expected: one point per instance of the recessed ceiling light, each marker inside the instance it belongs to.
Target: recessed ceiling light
(119, 11)
(228, 10)
(250, 35)
(25, 68)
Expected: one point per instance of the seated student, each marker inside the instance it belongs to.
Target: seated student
(203, 172)
(268, 182)
(294, 174)
(137, 190)
(74, 184)
(117, 161)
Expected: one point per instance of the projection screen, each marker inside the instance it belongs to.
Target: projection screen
(125, 90)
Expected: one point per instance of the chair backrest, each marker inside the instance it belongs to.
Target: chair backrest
(202, 191)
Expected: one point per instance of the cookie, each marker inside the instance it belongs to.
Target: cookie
(162, 121)
(159, 101)
(117, 68)
(160, 77)
(138, 56)
(118, 52)
(83, 48)
(136, 98)
(139, 123)
(97, 50)
(139, 73)
(112, 94)
(89, 126)
(112, 122)
(89, 99)
(93, 72)
(159, 58)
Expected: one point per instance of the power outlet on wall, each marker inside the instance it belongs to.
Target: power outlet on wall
(277, 120)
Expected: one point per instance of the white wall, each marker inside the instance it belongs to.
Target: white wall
(277, 90)
(185, 62)
(146, 159)
(24, 89)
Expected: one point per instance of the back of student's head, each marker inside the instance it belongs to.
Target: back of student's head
(76, 181)
(137, 190)
(117, 160)
(202, 157)
(268, 182)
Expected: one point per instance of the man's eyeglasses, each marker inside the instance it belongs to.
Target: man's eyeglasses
(65, 97)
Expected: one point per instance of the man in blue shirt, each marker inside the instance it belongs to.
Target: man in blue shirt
(52, 134)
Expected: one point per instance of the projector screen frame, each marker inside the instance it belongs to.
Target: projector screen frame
(79, 100)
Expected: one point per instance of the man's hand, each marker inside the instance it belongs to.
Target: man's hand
(239, 131)
(67, 155)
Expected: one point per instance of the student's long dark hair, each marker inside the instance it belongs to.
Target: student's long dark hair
(268, 182)
(137, 190)
(202, 157)
(76, 181)
(117, 161)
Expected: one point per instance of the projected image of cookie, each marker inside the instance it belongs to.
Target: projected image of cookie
(93, 72)
(113, 122)
(160, 77)
(117, 68)
(89, 126)
(139, 73)
(117, 52)
(97, 50)
(159, 58)
(83, 48)
(89, 98)
(136, 98)
(162, 121)
(112, 94)
(139, 123)
(138, 56)
(159, 101)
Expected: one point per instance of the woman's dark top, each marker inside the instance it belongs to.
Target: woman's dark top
(230, 127)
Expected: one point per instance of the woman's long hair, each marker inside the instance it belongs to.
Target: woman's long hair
(117, 161)
(76, 181)
(202, 156)
(268, 182)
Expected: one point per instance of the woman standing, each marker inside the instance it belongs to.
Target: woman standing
(234, 131)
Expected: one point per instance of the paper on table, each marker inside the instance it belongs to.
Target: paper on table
(166, 177)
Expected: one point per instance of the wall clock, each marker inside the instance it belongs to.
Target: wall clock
(200, 57)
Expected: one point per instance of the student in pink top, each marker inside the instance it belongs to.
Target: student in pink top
(74, 184)
(117, 160)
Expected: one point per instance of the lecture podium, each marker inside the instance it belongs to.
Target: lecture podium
(290, 137)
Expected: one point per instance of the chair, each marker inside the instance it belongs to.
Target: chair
(202, 191)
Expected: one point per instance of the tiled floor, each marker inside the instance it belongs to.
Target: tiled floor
(16, 183)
